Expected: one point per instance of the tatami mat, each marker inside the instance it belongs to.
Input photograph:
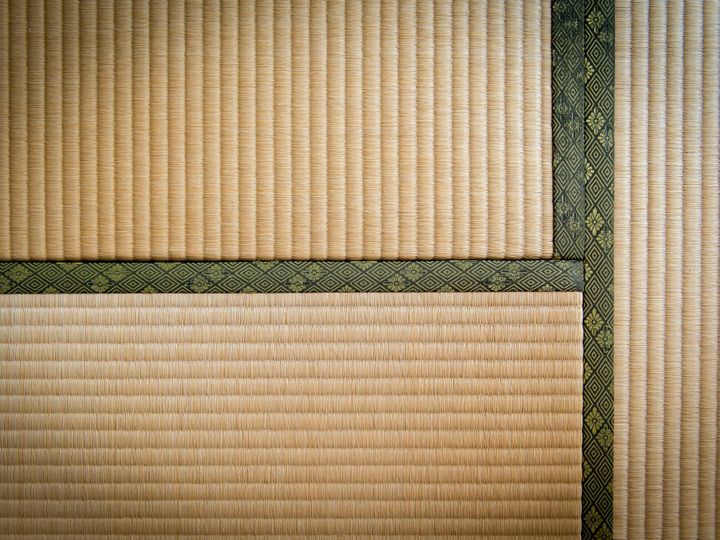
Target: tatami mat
(260, 129)
(424, 413)
(666, 255)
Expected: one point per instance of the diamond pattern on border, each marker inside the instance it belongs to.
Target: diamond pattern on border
(567, 129)
(597, 506)
(290, 276)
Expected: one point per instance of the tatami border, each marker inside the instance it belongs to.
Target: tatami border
(290, 276)
(597, 496)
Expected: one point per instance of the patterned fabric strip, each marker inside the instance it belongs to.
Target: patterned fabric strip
(290, 276)
(597, 505)
(567, 129)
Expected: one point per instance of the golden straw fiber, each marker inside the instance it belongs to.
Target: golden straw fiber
(666, 270)
(416, 414)
(275, 129)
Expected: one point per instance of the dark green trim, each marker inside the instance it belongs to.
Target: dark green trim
(567, 129)
(290, 276)
(597, 497)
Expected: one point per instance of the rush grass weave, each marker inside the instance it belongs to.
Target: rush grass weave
(666, 291)
(280, 414)
(214, 130)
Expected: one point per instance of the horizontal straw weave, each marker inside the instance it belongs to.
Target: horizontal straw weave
(291, 414)
(666, 286)
(179, 130)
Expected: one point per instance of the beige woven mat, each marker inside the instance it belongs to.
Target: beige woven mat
(260, 129)
(328, 413)
(666, 272)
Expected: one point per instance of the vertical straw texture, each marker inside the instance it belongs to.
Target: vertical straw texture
(666, 270)
(435, 414)
(328, 129)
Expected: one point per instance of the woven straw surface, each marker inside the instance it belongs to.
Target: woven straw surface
(329, 413)
(260, 129)
(666, 288)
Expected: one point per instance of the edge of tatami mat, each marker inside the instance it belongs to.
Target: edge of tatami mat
(597, 496)
(567, 129)
(290, 276)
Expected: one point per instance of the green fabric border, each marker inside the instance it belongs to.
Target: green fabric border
(290, 276)
(597, 496)
(567, 129)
